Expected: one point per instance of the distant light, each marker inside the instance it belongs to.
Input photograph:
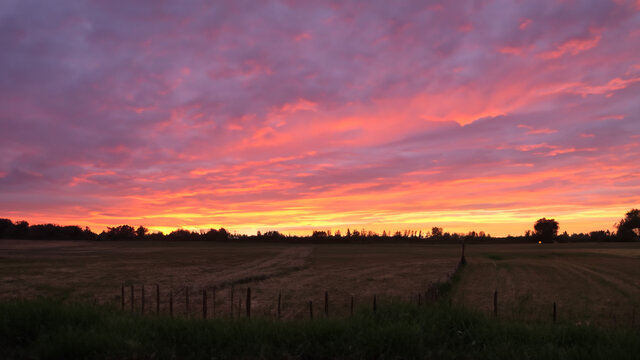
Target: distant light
(539, 242)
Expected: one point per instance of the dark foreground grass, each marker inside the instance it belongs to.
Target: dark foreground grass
(47, 328)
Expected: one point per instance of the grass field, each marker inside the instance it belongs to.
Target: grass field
(46, 329)
(589, 282)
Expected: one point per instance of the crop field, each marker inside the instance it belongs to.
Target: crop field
(590, 283)
(597, 283)
(95, 271)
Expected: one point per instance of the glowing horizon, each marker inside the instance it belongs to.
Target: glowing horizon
(471, 116)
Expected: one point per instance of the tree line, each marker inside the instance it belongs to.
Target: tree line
(545, 230)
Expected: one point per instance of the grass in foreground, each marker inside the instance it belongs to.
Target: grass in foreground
(47, 328)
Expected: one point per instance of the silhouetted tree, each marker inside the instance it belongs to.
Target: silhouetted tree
(6, 228)
(319, 234)
(629, 227)
(141, 231)
(223, 234)
(88, 234)
(546, 229)
(599, 236)
(20, 230)
(56, 232)
(122, 232)
(271, 235)
(156, 236)
(183, 235)
(213, 235)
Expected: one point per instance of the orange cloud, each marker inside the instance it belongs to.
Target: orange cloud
(300, 105)
(525, 23)
(612, 85)
(572, 47)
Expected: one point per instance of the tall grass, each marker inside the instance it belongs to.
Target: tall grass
(45, 328)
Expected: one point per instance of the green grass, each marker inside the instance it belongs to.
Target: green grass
(45, 328)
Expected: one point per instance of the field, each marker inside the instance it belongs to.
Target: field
(95, 271)
(589, 282)
(48, 291)
(47, 329)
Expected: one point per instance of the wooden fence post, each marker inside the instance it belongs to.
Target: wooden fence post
(132, 299)
(374, 303)
(171, 302)
(231, 302)
(157, 299)
(310, 309)
(463, 260)
(122, 291)
(214, 302)
(326, 303)
(186, 297)
(204, 303)
(248, 306)
(279, 303)
(495, 303)
(142, 307)
(352, 305)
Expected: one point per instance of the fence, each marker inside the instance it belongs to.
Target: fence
(212, 302)
(207, 303)
(232, 302)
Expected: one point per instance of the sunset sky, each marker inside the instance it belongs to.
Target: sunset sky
(293, 116)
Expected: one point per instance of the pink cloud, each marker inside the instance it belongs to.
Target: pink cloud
(525, 23)
(573, 47)
(293, 115)
(612, 85)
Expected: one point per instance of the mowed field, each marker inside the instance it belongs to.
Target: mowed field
(591, 283)
(95, 271)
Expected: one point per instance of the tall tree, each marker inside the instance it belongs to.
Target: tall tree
(629, 227)
(546, 229)
(141, 232)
